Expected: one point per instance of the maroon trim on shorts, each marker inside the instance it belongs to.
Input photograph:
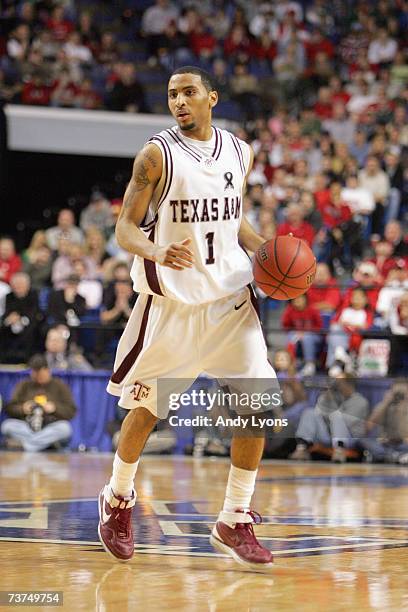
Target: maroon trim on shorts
(133, 354)
(254, 302)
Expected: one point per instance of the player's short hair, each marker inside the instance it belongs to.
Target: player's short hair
(207, 80)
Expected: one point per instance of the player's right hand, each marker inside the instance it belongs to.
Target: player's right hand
(175, 255)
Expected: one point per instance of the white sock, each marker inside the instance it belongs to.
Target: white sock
(123, 476)
(240, 487)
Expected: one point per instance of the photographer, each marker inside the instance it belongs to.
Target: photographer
(389, 420)
(337, 421)
(19, 324)
(39, 411)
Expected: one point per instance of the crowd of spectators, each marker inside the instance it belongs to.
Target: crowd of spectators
(324, 95)
(320, 92)
(67, 276)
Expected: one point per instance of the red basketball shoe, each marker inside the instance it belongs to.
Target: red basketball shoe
(239, 542)
(115, 524)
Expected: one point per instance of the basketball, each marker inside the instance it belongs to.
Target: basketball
(284, 267)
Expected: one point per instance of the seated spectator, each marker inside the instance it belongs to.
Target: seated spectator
(58, 25)
(39, 411)
(9, 87)
(220, 72)
(90, 34)
(345, 331)
(46, 45)
(244, 90)
(365, 277)
(337, 421)
(338, 92)
(65, 91)
(281, 441)
(396, 284)
(86, 97)
(389, 421)
(375, 180)
(94, 248)
(393, 234)
(65, 228)
(398, 322)
(284, 364)
(238, 44)
(317, 44)
(310, 213)
(62, 63)
(10, 262)
(334, 211)
(66, 305)
(89, 288)
(340, 126)
(120, 272)
(383, 260)
(37, 91)
(38, 240)
(324, 294)
(64, 265)
(395, 172)
(265, 49)
(382, 48)
(359, 199)
(127, 93)
(107, 51)
(296, 225)
(264, 21)
(116, 310)
(301, 178)
(287, 68)
(311, 152)
(97, 214)
(202, 42)
(339, 242)
(39, 267)
(305, 321)
(20, 320)
(61, 357)
(359, 148)
(155, 20)
(361, 99)
(76, 52)
(323, 107)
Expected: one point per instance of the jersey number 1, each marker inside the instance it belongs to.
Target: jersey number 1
(210, 243)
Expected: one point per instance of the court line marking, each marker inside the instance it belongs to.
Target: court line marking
(182, 550)
(161, 509)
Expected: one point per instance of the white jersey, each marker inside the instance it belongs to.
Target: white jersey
(199, 196)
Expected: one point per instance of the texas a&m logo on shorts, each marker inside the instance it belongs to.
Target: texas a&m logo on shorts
(140, 391)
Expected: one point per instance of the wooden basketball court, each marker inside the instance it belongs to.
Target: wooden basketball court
(339, 535)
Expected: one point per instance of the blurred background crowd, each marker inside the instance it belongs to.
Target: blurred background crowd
(318, 88)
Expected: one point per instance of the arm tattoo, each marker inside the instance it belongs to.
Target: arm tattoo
(140, 179)
(140, 176)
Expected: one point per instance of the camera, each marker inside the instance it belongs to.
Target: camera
(36, 418)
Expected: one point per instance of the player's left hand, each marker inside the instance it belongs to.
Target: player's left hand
(175, 255)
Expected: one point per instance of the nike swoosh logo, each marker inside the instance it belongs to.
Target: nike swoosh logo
(105, 516)
(240, 306)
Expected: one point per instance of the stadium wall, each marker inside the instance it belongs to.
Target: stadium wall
(81, 132)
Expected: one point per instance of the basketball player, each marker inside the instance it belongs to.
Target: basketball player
(182, 219)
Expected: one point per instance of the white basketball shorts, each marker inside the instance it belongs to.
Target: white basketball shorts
(165, 339)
